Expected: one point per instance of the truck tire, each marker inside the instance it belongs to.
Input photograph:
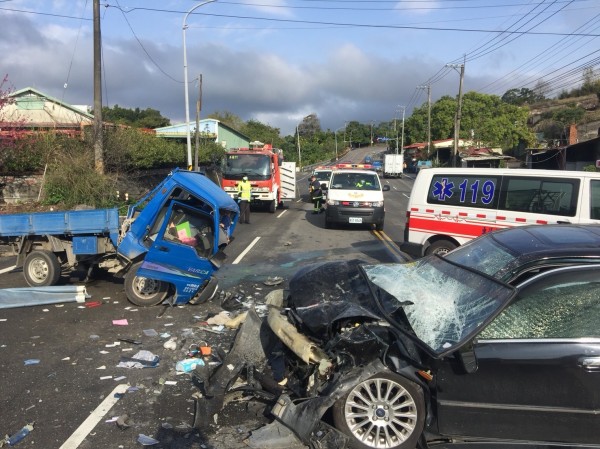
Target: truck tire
(143, 291)
(440, 247)
(207, 293)
(41, 268)
(272, 206)
(328, 224)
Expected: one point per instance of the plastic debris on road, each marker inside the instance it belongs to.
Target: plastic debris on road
(14, 439)
(145, 440)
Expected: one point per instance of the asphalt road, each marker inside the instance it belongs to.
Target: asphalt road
(59, 362)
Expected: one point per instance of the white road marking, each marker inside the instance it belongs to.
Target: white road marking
(240, 257)
(6, 270)
(283, 212)
(88, 425)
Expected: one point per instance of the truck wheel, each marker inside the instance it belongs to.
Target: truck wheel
(208, 292)
(41, 268)
(143, 291)
(440, 247)
(385, 411)
(272, 206)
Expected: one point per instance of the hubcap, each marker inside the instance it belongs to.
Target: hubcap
(380, 413)
(146, 287)
(38, 270)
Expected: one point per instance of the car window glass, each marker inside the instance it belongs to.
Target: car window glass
(443, 303)
(595, 196)
(560, 304)
(464, 191)
(192, 228)
(539, 195)
(484, 254)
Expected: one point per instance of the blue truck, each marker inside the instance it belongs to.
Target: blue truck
(167, 247)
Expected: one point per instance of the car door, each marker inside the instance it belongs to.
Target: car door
(180, 251)
(538, 375)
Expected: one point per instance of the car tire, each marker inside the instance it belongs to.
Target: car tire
(41, 268)
(384, 411)
(379, 226)
(142, 291)
(441, 247)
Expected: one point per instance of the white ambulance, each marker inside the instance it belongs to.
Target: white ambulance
(450, 206)
(355, 197)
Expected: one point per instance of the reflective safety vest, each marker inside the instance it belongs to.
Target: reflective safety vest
(244, 190)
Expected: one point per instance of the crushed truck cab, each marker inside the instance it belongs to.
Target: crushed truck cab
(168, 246)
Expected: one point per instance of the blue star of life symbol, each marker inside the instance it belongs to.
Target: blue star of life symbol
(443, 189)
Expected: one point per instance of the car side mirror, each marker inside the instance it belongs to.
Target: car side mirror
(468, 359)
(386, 188)
(324, 186)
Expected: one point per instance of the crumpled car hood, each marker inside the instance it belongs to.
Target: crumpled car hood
(320, 295)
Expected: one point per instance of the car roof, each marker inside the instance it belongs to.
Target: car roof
(536, 239)
(354, 170)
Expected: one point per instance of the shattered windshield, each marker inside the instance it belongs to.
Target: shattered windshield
(443, 303)
(483, 254)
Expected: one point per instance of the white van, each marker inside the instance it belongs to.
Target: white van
(450, 206)
(323, 173)
(355, 196)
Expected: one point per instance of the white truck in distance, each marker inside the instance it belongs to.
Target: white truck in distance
(393, 165)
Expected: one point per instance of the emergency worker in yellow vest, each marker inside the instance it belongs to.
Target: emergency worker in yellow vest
(244, 197)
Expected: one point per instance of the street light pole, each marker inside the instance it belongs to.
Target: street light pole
(458, 110)
(185, 84)
(402, 141)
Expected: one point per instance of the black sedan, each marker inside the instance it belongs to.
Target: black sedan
(497, 344)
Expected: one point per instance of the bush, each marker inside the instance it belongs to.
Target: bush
(72, 180)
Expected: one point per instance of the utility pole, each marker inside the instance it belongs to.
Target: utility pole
(402, 142)
(428, 86)
(98, 135)
(198, 109)
(458, 110)
(396, 128)
(299, 151)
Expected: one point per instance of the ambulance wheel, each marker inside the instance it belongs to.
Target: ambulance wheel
(143, 291)
(41, 268)
(441, 247)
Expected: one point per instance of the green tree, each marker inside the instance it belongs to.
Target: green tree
(229, 118)
(494, 122)
(521, 96)
(147, 118)
(309, 126)
(256, 130)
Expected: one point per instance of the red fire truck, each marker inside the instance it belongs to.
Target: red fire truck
(273, 180)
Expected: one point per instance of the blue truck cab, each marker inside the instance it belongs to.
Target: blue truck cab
(168, 246)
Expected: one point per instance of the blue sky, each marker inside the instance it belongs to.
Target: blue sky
(277, 61)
